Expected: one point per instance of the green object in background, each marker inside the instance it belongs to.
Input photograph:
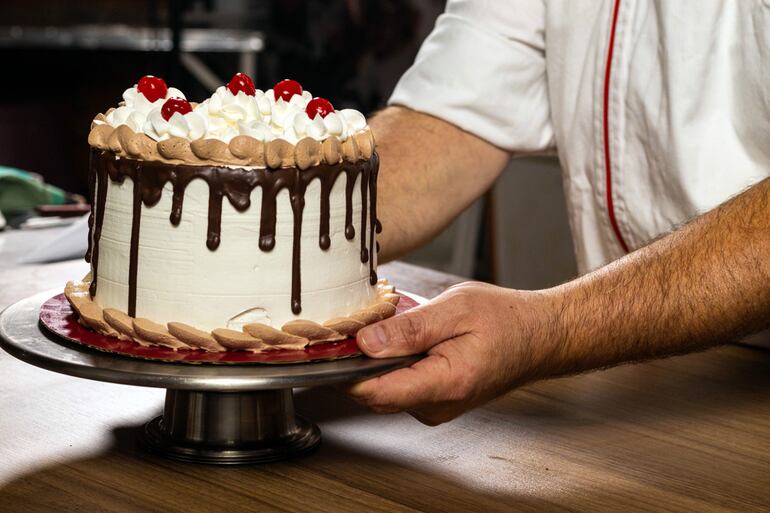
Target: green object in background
(20, 190)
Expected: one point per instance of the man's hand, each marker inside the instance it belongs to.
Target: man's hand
(479, 340)
(705, 284)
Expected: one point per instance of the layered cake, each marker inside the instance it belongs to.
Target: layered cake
(245, 222)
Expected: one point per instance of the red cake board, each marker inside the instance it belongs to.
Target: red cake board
(57, 316)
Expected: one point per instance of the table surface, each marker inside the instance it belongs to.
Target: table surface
(689, 433)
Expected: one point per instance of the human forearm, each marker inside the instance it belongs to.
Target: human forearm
(705, 284)
(430, 171)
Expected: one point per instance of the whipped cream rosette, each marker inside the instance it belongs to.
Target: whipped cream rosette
(256, 126)
(137, 105)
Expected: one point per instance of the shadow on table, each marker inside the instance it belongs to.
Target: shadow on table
(598, 442)
(690, 432)
(125, 479)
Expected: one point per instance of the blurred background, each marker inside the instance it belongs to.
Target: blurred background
(66, 61)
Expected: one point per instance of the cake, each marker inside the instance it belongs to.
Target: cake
(245, 222)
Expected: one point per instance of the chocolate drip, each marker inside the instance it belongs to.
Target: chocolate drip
(92, 191)
(152, 188)
(373, 215)
(133, 253)
(267, 218)
(236, 184)
(297, 207)
(213, 235)
(177, 202)
(101, 198)
(350, 185)
(364, 194)
(324, 242)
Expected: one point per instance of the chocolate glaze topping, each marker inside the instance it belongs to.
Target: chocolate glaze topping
(236, 184)
(364, 251)
(95, 229)
(133, 255)
(92, 192)
(350, 231)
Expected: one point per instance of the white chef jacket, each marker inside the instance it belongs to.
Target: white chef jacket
(659, 109)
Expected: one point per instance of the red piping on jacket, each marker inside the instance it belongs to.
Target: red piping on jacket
(607, 162)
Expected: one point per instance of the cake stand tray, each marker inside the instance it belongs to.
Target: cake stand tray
(225, 415)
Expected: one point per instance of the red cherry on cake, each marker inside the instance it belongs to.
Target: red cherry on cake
(318, 107)
(173, 105)
(286, 89)
(241, 82)
(153, 88)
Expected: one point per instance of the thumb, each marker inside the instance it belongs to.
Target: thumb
(412, 332)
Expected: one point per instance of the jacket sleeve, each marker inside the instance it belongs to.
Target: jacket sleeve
(483, 69)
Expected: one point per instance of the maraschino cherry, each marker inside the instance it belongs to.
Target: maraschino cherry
(286, 89)
(153, 88)
(318, 107)
(173, 105)
(241, 82)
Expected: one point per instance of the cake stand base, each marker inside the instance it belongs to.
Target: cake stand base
(230, 428)
(218, 414)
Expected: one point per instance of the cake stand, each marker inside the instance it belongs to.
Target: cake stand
(217, 414)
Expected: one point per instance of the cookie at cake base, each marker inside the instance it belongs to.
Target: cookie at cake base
(58, 317)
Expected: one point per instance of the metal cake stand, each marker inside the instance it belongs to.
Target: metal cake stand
(218, 414)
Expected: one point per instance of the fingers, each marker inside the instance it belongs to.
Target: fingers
(439, 380)
(404, 389)
(416, 330)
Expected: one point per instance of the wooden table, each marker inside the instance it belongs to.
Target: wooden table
(686, 434)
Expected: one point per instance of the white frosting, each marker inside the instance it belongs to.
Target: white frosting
(180, 279)
(225, 115)
(189, 126)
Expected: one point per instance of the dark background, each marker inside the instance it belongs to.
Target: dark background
(349, 51)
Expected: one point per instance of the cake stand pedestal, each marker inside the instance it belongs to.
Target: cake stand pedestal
(218, 414)
(230, 427)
